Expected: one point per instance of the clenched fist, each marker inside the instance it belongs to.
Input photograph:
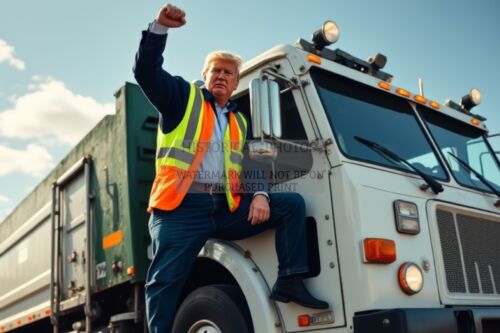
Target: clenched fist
(171, 16)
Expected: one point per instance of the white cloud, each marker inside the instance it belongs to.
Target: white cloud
(7, 54)
(51, 110)
(35, 160)
(4, 199)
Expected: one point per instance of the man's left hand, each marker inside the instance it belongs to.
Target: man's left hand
(259, 210)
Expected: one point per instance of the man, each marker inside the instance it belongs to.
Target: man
(195, 193)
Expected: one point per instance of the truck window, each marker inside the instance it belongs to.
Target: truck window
(292, 127)
(292, 162)
(354, 109)
(467, 143)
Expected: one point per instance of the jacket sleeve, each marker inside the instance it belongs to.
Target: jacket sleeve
(169, 94)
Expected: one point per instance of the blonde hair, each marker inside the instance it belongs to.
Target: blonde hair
(222, 55)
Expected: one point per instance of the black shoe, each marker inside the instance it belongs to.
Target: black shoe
(294, 290)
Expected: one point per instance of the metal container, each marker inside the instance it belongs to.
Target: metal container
(84, 227)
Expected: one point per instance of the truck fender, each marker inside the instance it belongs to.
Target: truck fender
(264, 312)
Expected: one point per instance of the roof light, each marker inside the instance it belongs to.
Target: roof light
(328, 34)
(475, 122)
(435, 105)
(403, 92)
(384, 85)
(471, 100)
(411, 278)
(420, 99)
(314, 58)
(379, 250)
(378, 61)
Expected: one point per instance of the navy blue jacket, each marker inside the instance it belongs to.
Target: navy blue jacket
(170, 94)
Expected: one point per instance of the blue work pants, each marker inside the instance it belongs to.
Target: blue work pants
(178, 236)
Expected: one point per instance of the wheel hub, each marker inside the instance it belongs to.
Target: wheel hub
(204, 326)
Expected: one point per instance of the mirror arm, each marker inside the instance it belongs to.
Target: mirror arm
(292, 84)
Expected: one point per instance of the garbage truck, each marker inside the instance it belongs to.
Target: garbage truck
(402, 198)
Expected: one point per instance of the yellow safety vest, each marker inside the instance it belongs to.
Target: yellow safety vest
(179, 154)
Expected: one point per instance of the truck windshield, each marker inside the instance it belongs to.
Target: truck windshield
(467, 143)
(354, 109)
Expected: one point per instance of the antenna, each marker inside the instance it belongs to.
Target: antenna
(421, 86)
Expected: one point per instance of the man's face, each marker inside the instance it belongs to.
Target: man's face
(221, 79)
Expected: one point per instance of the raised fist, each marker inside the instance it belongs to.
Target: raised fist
(171, 16)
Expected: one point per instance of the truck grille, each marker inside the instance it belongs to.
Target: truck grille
(470, 244)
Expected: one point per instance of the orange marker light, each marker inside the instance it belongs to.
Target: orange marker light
(304, 320)
(475, 122)
(420, 99)
(403, 92)
(384, 85)
(435, 105)
(379, 250)
(313, 58)
(131, 271)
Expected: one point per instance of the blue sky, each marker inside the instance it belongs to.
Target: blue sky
(61, 61)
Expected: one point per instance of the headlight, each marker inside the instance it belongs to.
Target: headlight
(411, 278)
(406, 217)
(471, 100)
(328, 34)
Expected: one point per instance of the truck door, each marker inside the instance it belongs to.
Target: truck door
(71, 277)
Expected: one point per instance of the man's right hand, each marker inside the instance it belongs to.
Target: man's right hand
(171, 16)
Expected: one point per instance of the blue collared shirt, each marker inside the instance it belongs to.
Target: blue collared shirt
(211, 169)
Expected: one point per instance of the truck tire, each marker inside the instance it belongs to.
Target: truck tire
(214, 309)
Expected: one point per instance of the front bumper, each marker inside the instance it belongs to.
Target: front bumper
(444, 320)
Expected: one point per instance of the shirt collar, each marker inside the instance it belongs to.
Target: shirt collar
(229, 107)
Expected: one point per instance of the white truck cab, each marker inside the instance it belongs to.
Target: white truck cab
(402, 196)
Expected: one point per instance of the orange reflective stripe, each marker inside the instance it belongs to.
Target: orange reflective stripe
(171, 183)
(237, 134)
(234, 186)
(207, 128)
(236, 203)
(234, 132)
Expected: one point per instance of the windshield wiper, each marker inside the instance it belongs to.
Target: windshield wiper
(431, 182)
(479, 176)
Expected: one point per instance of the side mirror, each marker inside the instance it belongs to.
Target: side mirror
(265, 108)
(262, 151)
(266, 119)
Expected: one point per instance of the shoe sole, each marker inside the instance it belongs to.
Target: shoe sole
(284, 299)
(279, 298)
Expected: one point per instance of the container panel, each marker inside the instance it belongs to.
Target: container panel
(25, 269)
